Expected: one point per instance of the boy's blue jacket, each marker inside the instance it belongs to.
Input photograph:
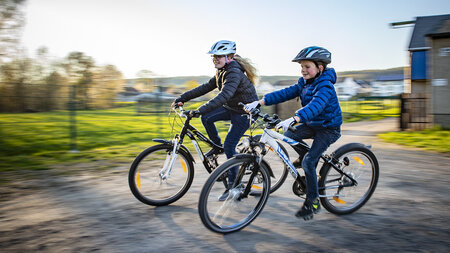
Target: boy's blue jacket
(320, 105)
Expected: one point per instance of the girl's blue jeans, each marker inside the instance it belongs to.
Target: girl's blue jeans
(239, 124)
(323, 138)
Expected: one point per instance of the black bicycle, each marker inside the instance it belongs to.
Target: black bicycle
(347, 179)
(163, 173)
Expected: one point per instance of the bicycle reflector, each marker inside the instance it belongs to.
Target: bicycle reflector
(358, 160)
(340, 201)
(138, 180)
(183, 164)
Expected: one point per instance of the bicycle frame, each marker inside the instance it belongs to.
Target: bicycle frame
(269, 137)
(192, 133)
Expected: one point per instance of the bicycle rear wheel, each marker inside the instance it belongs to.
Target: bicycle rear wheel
(240, 208)
(153, 185)
(340, 194)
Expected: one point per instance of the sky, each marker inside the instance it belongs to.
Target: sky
(172, 37)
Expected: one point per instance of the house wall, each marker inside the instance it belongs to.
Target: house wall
(419, 86)
(440, 80)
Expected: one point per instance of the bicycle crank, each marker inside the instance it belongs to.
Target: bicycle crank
(299, 186)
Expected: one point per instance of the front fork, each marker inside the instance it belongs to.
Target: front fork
(170, 160)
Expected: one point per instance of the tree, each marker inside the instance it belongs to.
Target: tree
(79, 70)
(107, 82)
(16, 75)
(11, 22)
(145, 81)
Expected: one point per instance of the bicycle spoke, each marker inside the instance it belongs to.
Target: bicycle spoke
(345, 193)
(237, 210)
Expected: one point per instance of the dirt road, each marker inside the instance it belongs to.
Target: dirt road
(88, 211)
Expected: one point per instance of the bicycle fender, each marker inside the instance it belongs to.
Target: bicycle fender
(349, 146)
(182, 147)
(162, 141)
(268, 166)
(243, 156)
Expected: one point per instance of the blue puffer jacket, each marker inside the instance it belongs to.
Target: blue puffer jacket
(319, 100)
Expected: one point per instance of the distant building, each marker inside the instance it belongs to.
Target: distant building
(346, 88)
(284, 83)
(430, 68)
(264, 87)
(388, 85)
(129, 94)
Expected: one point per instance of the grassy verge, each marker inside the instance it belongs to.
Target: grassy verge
(38, 141)
(432, 139)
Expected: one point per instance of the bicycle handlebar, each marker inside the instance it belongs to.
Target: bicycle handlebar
(271, 121)
(181, 112)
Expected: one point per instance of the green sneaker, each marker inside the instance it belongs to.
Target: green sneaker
(308, 209)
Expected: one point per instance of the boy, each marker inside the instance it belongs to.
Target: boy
(320, 116)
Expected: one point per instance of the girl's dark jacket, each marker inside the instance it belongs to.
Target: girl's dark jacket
(234, 87)
(320, 105)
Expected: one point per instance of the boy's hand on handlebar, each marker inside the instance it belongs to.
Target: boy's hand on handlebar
(286, 124)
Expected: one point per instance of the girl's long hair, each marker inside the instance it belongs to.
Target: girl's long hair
(249, 69)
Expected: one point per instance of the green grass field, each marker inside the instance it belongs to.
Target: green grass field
(40, 140)
(37, 140)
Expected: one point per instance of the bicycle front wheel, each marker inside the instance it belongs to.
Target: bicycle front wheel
(341, 194)
(241, 207)
(159, 178)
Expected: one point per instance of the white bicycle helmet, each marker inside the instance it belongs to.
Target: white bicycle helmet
(223, 47)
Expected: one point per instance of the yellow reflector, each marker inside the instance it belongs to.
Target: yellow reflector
(270, 148)
(358, 160)
(183, 164)
(257, 187)
(138, 180)
(339, 200)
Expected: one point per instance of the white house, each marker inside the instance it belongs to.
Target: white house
(388, 85)
(346, 88)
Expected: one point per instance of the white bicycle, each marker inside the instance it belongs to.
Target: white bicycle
(347, 179)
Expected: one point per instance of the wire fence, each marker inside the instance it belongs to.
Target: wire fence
(67, 121)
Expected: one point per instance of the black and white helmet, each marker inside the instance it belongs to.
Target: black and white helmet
(316, 54)
(223, 47)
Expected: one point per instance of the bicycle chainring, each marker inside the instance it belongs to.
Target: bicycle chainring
(299, 186)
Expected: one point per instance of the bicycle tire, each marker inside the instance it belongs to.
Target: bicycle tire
(362, 166)
(235, 212)
(146, 183)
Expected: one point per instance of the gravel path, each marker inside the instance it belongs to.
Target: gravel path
(92, 211)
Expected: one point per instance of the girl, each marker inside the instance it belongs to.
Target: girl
(235, 78)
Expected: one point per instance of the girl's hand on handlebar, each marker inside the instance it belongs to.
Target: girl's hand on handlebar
(194, 113)
(176, 104)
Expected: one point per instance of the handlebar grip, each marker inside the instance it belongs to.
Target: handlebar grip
(292, 129)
